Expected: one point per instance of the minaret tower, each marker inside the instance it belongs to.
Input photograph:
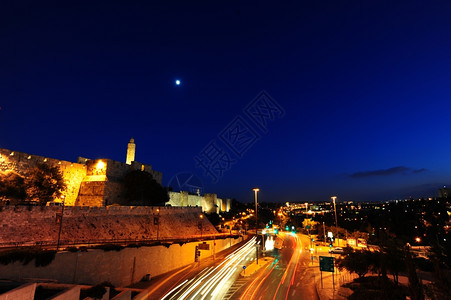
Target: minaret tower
(131, 151)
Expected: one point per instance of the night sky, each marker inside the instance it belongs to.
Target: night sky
(353, 96)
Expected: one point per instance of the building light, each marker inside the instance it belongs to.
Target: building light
(29, 157)
(12, 154)
(100, 165)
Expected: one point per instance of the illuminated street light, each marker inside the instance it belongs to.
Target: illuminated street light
(201, 217)
(256, 190)
(158, 224)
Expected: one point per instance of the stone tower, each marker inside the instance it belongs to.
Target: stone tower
(131, 152)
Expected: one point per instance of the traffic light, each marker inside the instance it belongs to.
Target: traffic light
(197, 254)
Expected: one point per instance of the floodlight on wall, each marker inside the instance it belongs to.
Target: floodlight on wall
(100, 165)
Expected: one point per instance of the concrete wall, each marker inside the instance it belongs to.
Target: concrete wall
(70, 294)
(22, 224)
(121, 268)
(24, 292)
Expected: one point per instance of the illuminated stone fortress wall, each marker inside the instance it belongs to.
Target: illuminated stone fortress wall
(209, 202)
(89, 182)
(102, 184)
(19, 162)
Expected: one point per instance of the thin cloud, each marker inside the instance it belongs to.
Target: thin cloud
(419, 170)
(382, 172)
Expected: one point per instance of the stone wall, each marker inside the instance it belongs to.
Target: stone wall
(121, 268)
(29, 225)
(89, 182)
(209, 202)
(20, 162)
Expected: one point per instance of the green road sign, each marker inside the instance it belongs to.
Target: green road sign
(326, 263)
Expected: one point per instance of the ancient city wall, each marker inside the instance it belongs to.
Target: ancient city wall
(121, 268)
(31, 225)
(21, 162)
(209, 202)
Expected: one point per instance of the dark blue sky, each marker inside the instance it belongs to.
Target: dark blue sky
(364, 88)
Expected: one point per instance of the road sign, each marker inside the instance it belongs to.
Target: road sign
(203, 246)
(326, 263)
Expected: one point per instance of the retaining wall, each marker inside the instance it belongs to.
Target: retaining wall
(22, 224)
(121, 268)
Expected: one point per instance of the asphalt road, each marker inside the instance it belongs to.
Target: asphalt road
(290, 275)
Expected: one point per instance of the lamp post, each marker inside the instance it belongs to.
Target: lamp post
(335, 209)
(158, 224)
(256, 190)
(201, 216)
(61, 224)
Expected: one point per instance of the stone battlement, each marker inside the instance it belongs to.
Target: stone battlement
(89, 182)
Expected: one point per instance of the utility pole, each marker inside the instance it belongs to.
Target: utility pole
(335, 209)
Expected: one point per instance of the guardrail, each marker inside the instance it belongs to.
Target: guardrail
(89, 243)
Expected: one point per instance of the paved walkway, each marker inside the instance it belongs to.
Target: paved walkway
(328, 284)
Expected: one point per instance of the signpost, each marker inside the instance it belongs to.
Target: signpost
(326, 264)
(203, 246)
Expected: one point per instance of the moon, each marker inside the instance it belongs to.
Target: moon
(177, 82)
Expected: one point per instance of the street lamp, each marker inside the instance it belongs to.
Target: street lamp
(335, 209)
(201, 216)
(61, 223)
(256, 190)
(157, 220)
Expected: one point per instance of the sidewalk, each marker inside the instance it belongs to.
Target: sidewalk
(330, 285)
(253, 267)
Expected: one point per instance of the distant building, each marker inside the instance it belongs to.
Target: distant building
(444, 192)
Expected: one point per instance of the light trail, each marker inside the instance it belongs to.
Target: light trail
(209, 283)
(170, 292)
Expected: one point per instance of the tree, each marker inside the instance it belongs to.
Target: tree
(43, 183)
(355, 261)
(142, 189)
(309, 222)
(12, 186)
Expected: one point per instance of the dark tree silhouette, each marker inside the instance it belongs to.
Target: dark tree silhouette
(44, 183)
(12, 186)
